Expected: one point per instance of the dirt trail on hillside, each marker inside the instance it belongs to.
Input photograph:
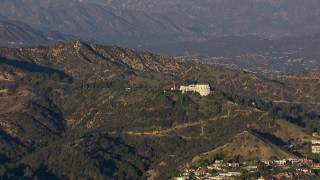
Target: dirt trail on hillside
(201, 123)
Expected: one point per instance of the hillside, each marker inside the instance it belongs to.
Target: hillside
(75, 109)
(266, 139)
(248, 146)
(108, 62)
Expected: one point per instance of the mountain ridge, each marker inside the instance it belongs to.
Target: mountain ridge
(18, 34)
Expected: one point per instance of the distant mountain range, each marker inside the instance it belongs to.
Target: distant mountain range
(144, 22)
(16, 33)
(90, 21)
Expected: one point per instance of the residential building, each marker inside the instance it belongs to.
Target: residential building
(315, 146)
(200, 171)
(293, 160)
(315, 142)
(218, 178)
(316, 166)
(181, 178)
(306, 161)
(233, 165)
(304, 170)
(267, 162)
(280, 162)
(251, 168)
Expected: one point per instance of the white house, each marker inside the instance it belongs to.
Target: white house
(230, 174)
(280, 162)
(293, 160)
(181, 178)
(203, 89)
(315, 146)
(315, 142)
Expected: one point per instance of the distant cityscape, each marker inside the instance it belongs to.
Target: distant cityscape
(262, 170)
